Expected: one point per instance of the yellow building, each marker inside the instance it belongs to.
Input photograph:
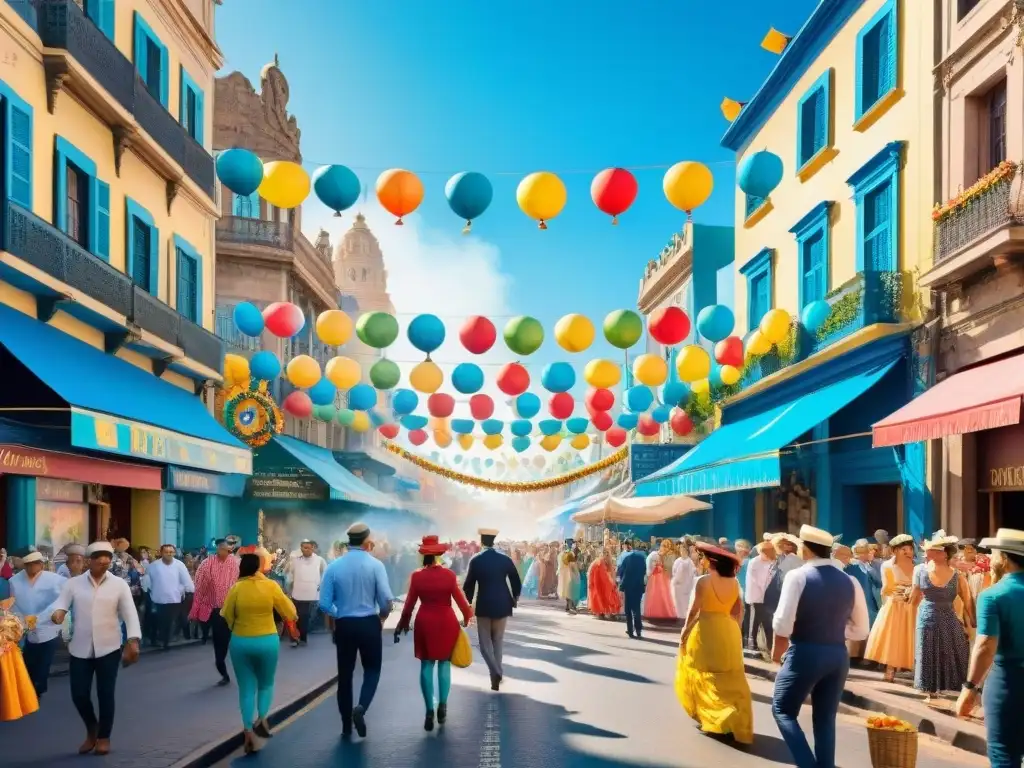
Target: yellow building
(106, 273)
(848, 108)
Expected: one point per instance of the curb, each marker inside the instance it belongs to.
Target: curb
(63, 669)
(945, 728)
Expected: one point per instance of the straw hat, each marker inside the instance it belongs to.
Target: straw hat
(940, 540)
(780, 537)
(32, 557)
(900, 540)
(432, 546)
(1006, 540)
(99, 548)
(487, 532)
(812, 535)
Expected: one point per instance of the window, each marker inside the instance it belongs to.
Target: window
(751, 204)
(142, 248)
(190, 280)
(151, 60)
(876, 59)
(964, 7)
(76, 210)
(102, 14)
(876, 193)
(877, 213)
(813, 253)
(758, 272)
(813, 120)
(191, 107)
(246, 207)
(997, 124)
(17, 155)
(141, 273)
(81, 201)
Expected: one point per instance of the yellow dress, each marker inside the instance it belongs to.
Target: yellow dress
(711, 682)
(17, 696)
(891, 641)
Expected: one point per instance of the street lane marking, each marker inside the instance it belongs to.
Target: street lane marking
(490, 746)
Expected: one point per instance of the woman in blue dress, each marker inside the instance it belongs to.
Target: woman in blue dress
(531, 583)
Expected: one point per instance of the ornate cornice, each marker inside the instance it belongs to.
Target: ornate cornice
(961, 59)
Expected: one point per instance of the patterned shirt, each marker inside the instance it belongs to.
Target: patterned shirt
(214, 579)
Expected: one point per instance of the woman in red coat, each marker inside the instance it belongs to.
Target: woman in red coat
(437, 628)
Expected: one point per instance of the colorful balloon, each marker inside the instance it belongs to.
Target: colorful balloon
(520, 444)
(346, 416)
(284, 319)
(513, 379)
(669, 326)
(729, 351)
(236, 370)
(478, 334)
(426, 333)
(615, 436)
(441, 405)
(627, 420)
(333, 327)
(693, 363)
(541, 196)
(813, 316)
(462, 426)
(362, 397)
(492, 426)
(574, 333)
(426, 377)
(561, 405)
(264, 366)
(688, 185)
(650, 370)
(390, 431)
(527, 405)
(240, 170)
(759, 173)
(602, 421)
(639, 398)
(298, 405)
(404, 402)
(550, 427)
(323, 393)
(337, 187)
(303, 371)
(661, 413)
(701, 387)
(385, 374)
(577, 425)
(377, 329)
(493, 442)
(442, 439)
(729, 375)
(558, 377)
(757, 344)
(675, 393)
(524, 335)
(580, 442)
(613, 190)
(469, 194)
(412, 422)
(775, 325)
(248, 319)
(680, 422)
(549, 443)
(465, 442)
(623, 328)
(400, 192)
(715, 322)
(603, 374)
(325, 412)
(417, 437)
(344, 372)
(599, 399)
(647, 426)
(521, 428)
(481, 407)
(285, 184)
(467, 378)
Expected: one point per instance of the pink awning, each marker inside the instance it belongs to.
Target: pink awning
(977, 399)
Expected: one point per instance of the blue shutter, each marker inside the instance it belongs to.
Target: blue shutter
(870, 80)
(813, 258)
(102, 225)
(165, 76)
(820, 120)
(19, 153)
(141, 50)
(154, 261)
(184, 299)
(887, 69)
(107, 14)
(200, 116)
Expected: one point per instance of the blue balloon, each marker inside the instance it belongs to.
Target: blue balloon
(412, 422)
(577, 425)
(675, 393)
(715, 377)
(264, 366)
(462, 426)
(467, 378)
(322, 393)
(715, 322)
(240, 170)
(815, 314)
(405, 401)
(628, 420)
(362, 397)
(759, 173)
(426, 333)
(377, 418)
(458, 459)
(639, 398)
(248, 319)
(527, 405)
(521, 428)
(489, 463)
(520, 444)
(550, 427)
(558, 377)
(662, 413)
(492, 426)
(337, 187)
(469, 194)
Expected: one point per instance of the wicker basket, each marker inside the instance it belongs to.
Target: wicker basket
(892, 749)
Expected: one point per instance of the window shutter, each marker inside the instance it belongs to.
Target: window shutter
(806, 130)
(200, 116)
(814, 288)
(887, 70)
(154, 261)
(106, 20)
(141, 59)
(19, 158)
(183, 97)
(820, 120)
(165, 76)
(185, 300)
(102, 227)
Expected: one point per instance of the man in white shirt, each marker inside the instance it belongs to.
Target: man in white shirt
(35, 590)
(98, 602)
(760, 573)
(306, 570)
(169, 582)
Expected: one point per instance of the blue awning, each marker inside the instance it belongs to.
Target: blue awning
(343, 485)
(745, 454)
(119, 408)
(407, 483)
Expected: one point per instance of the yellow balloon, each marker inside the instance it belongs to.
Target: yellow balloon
(303, 371)
(650, 370)
(693, 363)
(541, 196)
(550, 442)
(360, 422)
(757, 344)
(602, 374)
(701, 387)
(729, 374)
(439, 424)
(574, 333)
(285, 184)
(426, 377)
(775, 325)
(333, 327)
(443, 439)
(493, 442)
(236, 370)
(465, 442)
(579, 442)
(688, 185)
(343, 372)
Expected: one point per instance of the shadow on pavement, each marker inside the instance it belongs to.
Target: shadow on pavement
(566, 656)
(526, 674)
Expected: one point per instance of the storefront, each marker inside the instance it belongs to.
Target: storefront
(197, 506)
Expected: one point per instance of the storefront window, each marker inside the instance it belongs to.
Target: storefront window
(62, 516)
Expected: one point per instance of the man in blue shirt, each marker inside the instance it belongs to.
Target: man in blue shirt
(355, 593)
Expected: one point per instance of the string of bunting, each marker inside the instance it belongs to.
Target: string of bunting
(510, 487)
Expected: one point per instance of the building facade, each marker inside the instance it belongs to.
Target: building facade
(107, 274)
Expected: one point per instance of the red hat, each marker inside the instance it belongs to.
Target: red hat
(431, 546)
(716, 551)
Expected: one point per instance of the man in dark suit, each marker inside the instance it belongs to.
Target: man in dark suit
(632, 581)
(500, 586)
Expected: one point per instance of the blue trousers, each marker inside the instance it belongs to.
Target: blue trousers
(1003, 699)
(634, 616)
(820, 672)
(255, 663)
(38, 658)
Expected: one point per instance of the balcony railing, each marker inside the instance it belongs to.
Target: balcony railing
(226, 330)
(39, 243)
(239, 229)
(985, 212)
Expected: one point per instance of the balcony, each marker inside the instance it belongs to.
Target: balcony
(41, 245)
(246, 231)
(235, 341)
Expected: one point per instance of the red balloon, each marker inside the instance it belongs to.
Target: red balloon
(613, 191)
(680, 422)
(599, 400)
(481, 407)
(561, 405)
(298, 405)
(730, 352)
(417, 437)
(440, 405)
(513, 379)
(615, 436)
(602, 421)
(668, 326)
(478, 334)
(283, 319)
(390, 431)
(647, 426)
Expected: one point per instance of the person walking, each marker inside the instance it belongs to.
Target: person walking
(99, 602)
(249, 613)
(306, 572)
(632, 574)
(214, 578)
(761, 587)
(820, 609)
(35, 590)
(498, 580)
(169, 582)
(356, 594)
(74, 563)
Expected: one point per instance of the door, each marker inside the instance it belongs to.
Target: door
(171, 528)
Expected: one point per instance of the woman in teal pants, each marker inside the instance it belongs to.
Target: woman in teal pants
(249, 613)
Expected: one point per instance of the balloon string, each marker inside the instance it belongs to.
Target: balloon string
(542, 225)
(337, 214)
(469, 226)
(566, 172)
(615, 221)
(399, 223)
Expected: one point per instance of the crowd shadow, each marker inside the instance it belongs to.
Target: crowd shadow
(567, 656)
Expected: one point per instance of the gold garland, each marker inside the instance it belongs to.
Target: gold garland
(495, 485)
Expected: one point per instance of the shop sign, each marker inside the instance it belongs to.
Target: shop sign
(59, 490)
(193, 481)
(645, 460)
(1001, 459)
(287, 484)
(20, 460)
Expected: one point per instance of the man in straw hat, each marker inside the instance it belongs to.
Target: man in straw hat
(999, 652)
(820, 608)
(355, 593)
(500, 587)
(34, 590)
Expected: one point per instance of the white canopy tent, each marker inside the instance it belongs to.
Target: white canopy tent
(642, 510)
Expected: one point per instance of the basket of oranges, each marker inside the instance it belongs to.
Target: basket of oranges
(892, 742)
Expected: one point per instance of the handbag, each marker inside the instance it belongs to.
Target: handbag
(462, 653)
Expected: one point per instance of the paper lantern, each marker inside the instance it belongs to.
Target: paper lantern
(815, 315)
(400, 192)
(675, 393)
(623, 328)
(615, 437)
(558, 377)
(417, 437)
(759, 173)
(441, 405)
(264, 366)
(627, 420)
(775, 325)
(240, 170)
(333, 327)
(599, 399)
(550, 442)
(362, 397)
(680, 422)
(426, 333)
(481, 407)
(478, 334)
(520, 444)
(443, 439)
(715, 322)
(647, 426)
(613, 190)
(693, 363)
(527, 405)
(550, 427)
(346, 416)
(521, 428)
(688, 185)
(404, 402)
(574, 333)
(467, 378)
(541, 196)
(650, 370)
(323, 393)
(248, 319)
(580, 442)
(669, 326)
(462, 426)
(601, 420)
(469, 194)
(337, 186)
(577, 425)
(377, 329)
(513, 379)
(344, 372)
(283, 319)
(561, 405)
(390, 431)
(465, 442)
(285, 184)
(493, 442)
(729, 351)
(426, 377)
(729, 375)
(603, 374)
(298, 405)
(639, 398)
(757, 344)
(303, 371)
(524, 335)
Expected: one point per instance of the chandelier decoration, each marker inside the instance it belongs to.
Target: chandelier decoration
(251, 415)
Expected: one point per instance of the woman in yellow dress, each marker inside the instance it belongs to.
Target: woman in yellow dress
(17, 694)
(891, 641)
(711, 682)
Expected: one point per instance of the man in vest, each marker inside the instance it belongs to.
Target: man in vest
(306, 572)
(821, 607)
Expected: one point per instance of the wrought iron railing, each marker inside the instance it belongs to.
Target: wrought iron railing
(983, 213)
(240, 229)
(225, 329)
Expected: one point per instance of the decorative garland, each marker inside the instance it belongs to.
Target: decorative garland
(503, 487)
(252, 415)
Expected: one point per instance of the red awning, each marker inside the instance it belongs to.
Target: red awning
(985, 397)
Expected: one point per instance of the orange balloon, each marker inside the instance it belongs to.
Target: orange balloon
(400, 192)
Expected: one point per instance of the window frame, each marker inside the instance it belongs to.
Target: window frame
(888, 10)
(97, 219)
(135, 211)
(144, 33)
(183, 248)
(188, 84)
(822, 85)
(12, 101)
(815, 221)
(882, 169)
(761, 265)
(103, 15)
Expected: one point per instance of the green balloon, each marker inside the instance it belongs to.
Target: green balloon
(346, 417)
(377, 329)
(385, 374)
(623, 328)
(325, 412)
(524, 335)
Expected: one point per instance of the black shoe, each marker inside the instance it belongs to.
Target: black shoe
(262, 729)
(359, 720)
(428, 722)
(495, 682)
(224, 681)
(630, 635)
(442, 713)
